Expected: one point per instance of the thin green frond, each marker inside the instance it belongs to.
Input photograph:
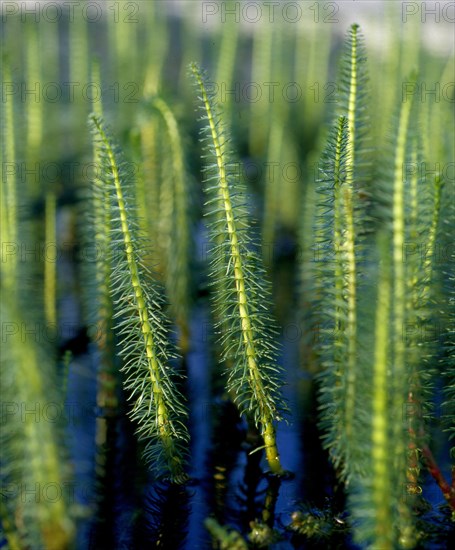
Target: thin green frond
(337, 292)
(341, 226)
(157, 406)
(372, 500)
(8, 190)
(353, 103)
(178, 251)
(50, 264)
(226, 58)
(399, 385)
(32, 442)
(244, 301)
(34, 109)
(380, 474)
(264, 37)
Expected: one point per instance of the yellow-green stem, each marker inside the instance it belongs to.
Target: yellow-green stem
(351, 328)
(255, 378)
(352, 104)
(349, 242)
(163, 421)
(399, 297)
(8, 193)
(34, 105)
(106, 397)
(337, 237)
(50, 263)
(379, 426)
(180, 197)
(148, 189)
(43, 456)
(261, 73)
(272, 189)
(227, 55)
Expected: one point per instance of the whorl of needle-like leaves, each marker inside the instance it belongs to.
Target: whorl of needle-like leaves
(337, 301)
(353, 102)
(396, 382)
(243, 304)
(400, 370)
(448, 361)
(340, 229)
(157, 406)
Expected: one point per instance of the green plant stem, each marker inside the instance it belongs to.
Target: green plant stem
(399, 298)
(272, 189)
(34, 108)
(263, 40)
(255, 377)
(429, 256)
(163, 422)
(156, 51)
(351, 328)
(178, 276)
(349, 238)
(37, 452)
(147, 190)
(352, 101)
(398, 242)
(379, 428)
(345, 318)
(50, 264)
(227, 56)
(106, 398)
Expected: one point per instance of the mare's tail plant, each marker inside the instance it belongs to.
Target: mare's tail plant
(157, 405)
(34, 108)
(99, 299)
(340, 226)
(244, 301)
(8, 191)
(358, 436)
(389, 523)
(33, 450)
(33, 458)
(448, 367)
(387, 445)
(353, 103)
(50, 268)
(99, 313)
(336, 278)
(226, 59)
(264, 39)
(177, 190)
